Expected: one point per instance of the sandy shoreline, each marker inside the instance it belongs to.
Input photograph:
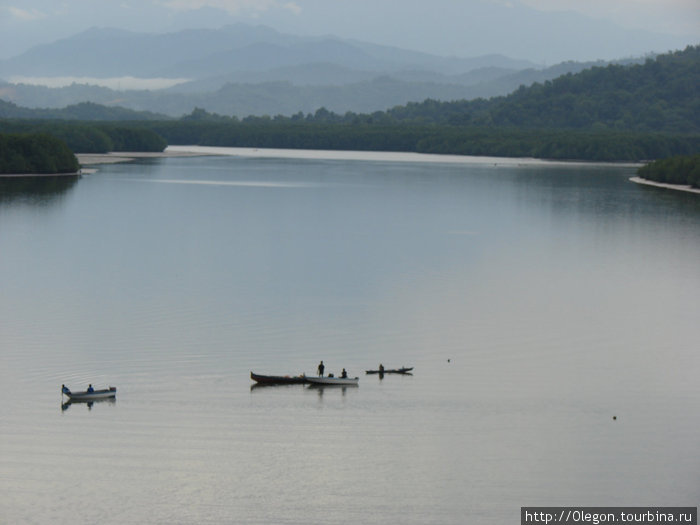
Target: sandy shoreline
(95, 159)
(677, 187)
(386, 156)
(91, 159)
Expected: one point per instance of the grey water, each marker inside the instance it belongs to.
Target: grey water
(550, 312)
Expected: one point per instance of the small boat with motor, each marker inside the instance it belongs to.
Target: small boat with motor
(89, 394)
(402, 370)
(331, 380)
(277, 380)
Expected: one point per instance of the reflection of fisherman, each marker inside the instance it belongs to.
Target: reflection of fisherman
(90, 389)
(343, 373)
(321, 368)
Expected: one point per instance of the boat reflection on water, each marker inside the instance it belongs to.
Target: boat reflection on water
(381, 372)
(267, 380)
(273, 386)
(320, 388)
(40, 190)
(89, 402)
(381, 375)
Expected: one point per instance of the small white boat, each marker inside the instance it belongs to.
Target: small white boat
(87, 395)
(340, 381)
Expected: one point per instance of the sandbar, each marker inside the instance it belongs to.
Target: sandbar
(678, 187)
(113, 157)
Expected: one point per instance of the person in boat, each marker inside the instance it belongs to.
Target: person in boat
(343, 374)
(90, 389)
(321, 368)
(65, 389)
(381, 368)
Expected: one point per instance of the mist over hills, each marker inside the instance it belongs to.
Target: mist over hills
(202, 53)
(286, 97)
(525, 29)
(658, 95)
(242, 70)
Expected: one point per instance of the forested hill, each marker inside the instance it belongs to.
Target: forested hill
(85, 111)
(661, 95)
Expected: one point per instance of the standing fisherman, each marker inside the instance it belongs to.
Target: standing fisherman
(321, 368)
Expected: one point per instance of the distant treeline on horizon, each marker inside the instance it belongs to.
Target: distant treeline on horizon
(82, 137)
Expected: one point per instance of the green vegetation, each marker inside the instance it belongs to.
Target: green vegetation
(676, 170)
(39, 153)
(85, 111)
(132, 138)
(661, 95)
(89, 137)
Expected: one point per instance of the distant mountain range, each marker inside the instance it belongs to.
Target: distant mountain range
(205, 53)
(246, 70)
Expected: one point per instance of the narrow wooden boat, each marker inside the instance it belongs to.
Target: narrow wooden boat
(402, 370)
(339, 381)
(105, 393)
(277, 380)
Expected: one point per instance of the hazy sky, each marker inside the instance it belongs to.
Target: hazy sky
(454, 27)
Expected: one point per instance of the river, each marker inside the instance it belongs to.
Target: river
(550, 312)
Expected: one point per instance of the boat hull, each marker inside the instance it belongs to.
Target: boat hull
(339, 381)
(391, 371)
(277, 380)
(91, 396)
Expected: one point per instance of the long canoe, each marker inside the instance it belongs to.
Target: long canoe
(403, 370)
(105, 393)
(277, 380)
(340, 381)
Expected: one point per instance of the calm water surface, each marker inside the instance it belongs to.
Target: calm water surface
(536, 301)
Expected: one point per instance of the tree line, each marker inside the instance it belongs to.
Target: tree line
(599, 145)
(674, 170)
(85, 111)
(35, 153)
(91, 137)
